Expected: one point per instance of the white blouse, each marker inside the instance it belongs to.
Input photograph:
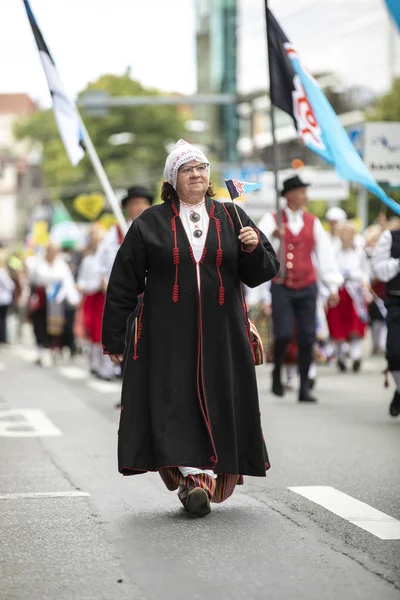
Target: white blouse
(195, 221)
(353, 264)
(89, 278)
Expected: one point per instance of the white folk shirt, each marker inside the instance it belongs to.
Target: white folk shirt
(353, 264)
(45, 274)
(89, 278)
(324, 258)
(385, 266)
(190, 227)
(6, 288)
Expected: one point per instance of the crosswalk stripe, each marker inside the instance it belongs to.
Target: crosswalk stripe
(356, 512)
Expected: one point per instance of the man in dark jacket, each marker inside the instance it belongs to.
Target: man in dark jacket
(386, 266)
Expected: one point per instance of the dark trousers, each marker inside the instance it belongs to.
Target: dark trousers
(294, 312)
(393, 334)
(3, 323)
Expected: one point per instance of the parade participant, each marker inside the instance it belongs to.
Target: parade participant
(137, 199)
(90, 285)
(189, 400)
(386, 266)
(335, 216)
(7, 287)
(348, 319)
(52, 287)
(377, 310)
(307, 250)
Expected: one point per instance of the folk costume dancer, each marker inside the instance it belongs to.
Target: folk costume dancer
(52, 288)
(335, 216)
(307, 252)
(137, 199)
(190, 405)
(89, 283)
(349, 318)
(386, 266)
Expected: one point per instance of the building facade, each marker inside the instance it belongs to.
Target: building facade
(21, 184)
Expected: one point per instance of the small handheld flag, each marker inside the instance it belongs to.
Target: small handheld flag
(294, 90)
(64, 109)
(238, 188)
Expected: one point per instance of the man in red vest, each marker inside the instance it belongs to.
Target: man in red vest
(307, 255)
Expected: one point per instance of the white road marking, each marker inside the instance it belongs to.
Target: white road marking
(72, 372)
(105, 387)
(356, 512)
(28, 354)
(34, 495)
(27, 422)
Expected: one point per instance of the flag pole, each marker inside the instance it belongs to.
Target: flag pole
(275, 153)
(102, 176)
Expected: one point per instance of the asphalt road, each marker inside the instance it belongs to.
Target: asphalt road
(128, 538)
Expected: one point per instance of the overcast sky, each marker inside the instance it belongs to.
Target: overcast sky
(156, 38)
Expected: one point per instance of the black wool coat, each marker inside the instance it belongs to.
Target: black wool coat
(189, 395)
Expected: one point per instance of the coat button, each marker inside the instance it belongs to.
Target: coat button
(290, 255)
(289, 265)
(291, 247)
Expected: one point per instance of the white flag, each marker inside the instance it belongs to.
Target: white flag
(65, 110)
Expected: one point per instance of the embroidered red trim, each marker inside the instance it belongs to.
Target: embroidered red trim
(138, 332)
(218, 257)
(227, 212)
(175, 256)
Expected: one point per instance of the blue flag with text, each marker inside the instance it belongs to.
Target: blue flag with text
(294, 90)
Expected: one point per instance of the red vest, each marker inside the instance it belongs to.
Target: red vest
(299, 269)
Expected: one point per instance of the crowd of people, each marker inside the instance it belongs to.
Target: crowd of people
(333, 286)
(317, 310)
(192, 281)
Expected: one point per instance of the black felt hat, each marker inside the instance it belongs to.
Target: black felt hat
(293, 183)
(137, 191)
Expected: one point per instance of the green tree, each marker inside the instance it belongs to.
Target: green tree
(388, 106)
(138, 162)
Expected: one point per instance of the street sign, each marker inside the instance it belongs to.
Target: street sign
(382, 151)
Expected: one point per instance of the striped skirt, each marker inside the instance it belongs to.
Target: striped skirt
(219, 489)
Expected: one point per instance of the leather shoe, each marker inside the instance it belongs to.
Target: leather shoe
(277, 387)
(198, 502)
(356, 366)
(305, 396)
(394, 408)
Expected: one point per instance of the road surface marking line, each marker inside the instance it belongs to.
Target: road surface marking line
(105, 387)
(72, 372)
(356, 512)
(34, 495)
(27, 422)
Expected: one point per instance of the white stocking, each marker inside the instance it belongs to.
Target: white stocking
(355, 349)
(396, 377)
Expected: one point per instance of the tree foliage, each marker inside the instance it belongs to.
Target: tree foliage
(138, 162)
(388, 106)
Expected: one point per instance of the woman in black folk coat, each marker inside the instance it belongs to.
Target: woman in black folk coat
(189, 399)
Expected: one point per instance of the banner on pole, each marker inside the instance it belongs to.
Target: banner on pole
(65, 112)
(294, 90)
